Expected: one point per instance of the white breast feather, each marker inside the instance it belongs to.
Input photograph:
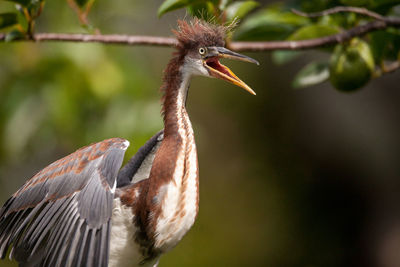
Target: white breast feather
(124, 252)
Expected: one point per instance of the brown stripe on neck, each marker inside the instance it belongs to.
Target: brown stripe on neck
(171, 84)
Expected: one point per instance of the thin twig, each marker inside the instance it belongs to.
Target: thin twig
(82, 16)
(338, 9)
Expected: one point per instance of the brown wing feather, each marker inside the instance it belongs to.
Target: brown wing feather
(64, 210)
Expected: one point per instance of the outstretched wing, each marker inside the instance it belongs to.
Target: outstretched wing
(62, 215)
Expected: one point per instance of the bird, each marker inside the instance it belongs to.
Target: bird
(85, 210)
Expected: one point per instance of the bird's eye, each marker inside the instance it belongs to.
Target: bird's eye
(202, 50)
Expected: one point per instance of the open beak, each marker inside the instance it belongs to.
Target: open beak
(216, 69)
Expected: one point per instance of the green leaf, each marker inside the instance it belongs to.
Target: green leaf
(240, 9)
(383, 6)
(376, 3)
(355, 2)
(385, 45)
(311, 74)
(170, 5)
(14, 35)
(21, 2)
(272, 23)
(313, 31)
(281, 57)
(340, 20)
(317, 5)
(8, 19)
(202, 10)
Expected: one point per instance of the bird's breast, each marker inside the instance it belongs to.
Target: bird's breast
(124, 251)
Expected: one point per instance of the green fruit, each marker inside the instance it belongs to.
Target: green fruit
(351, 65)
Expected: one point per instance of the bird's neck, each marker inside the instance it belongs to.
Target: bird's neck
(176, 86)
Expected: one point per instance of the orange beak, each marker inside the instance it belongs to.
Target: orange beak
(217, 70)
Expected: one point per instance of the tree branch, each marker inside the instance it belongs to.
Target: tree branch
(316, 42)
(106, 39)
(360, 30)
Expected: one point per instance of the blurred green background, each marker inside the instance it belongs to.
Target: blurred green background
(288, 178)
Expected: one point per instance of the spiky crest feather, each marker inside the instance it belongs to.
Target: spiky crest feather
(199, 33)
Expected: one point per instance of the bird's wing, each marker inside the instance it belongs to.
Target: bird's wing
(139, 166)
(62, 215)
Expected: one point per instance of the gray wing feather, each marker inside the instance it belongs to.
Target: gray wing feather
(62, 215)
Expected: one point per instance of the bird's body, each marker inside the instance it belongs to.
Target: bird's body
(83, 211)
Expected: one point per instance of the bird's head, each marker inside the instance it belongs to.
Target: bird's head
(201, 45)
